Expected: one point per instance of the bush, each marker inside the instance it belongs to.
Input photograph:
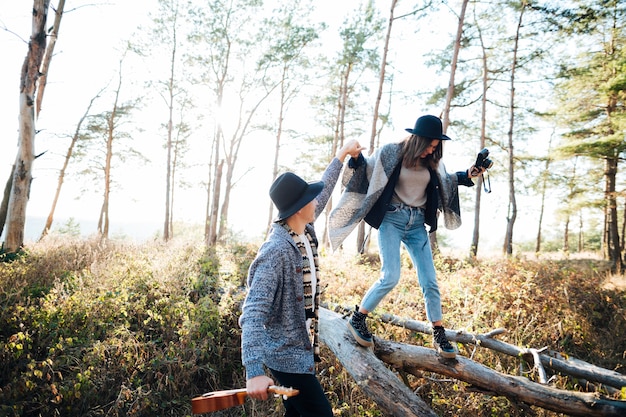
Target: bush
(90, 329)
(115, 330)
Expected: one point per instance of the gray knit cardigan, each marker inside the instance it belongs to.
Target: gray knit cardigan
(274, 332)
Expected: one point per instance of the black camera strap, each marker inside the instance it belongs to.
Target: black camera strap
(488, 181)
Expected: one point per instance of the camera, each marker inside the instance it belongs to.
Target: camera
(482, 159)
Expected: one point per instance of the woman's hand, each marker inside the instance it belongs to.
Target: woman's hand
(352, 148)
(474, 172)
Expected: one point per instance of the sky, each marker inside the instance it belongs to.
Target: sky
(86, 57)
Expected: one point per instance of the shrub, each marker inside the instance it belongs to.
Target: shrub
(90, 329)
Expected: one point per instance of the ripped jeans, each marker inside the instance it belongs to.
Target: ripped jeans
(405, 225)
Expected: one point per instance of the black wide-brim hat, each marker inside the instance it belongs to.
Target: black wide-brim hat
(290, 193)
(428, 127)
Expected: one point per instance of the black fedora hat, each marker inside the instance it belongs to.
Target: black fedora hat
(428, 127)
(290, 193)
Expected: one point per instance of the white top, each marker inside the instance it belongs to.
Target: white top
(309, 254)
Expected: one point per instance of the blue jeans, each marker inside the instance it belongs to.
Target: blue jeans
(405, 225)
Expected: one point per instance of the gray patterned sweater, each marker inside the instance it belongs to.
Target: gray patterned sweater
(365, 183)
(274, 332)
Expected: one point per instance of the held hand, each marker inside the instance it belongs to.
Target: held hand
(257, 387)
(474, 172)
(352, 148)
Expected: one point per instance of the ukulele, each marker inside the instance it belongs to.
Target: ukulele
(219, 400)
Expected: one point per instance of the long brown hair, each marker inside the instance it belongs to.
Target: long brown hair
(413, 146)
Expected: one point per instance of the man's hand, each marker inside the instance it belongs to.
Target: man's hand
(257, 387)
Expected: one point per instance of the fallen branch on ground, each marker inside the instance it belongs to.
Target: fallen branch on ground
(383, 386)
(550, 359)
(375, 379)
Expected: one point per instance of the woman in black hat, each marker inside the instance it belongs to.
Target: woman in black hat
(400, 190)
(279, 319)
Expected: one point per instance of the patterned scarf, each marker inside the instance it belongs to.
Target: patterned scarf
(311, 301)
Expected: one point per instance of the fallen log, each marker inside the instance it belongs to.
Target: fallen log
(569, 366)
(409, 357)
(375, 379)
(383, 386)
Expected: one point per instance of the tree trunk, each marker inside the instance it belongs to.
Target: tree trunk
(381, 77)
(518, 389)
(53, 35)
(66, 162)
(367, 372)
(213, 215)
(103, 221)
(361, 239)
(232, 154)
(483, 135)
(544, 189)
(434, 245)
(512, 209)
(22, 173)
(453, 65)
(279, 134)
(613, 241)
(373, 377)
(4, 206)
(111, 131)
(168, 147)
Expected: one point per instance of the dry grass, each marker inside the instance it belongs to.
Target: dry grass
(138, 330)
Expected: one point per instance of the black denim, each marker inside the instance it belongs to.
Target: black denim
(310, 402)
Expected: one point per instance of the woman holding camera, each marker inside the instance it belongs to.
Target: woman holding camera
(399, 190)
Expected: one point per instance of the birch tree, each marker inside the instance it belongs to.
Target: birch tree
(22, 170)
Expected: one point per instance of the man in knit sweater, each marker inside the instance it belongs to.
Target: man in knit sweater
(279, 319)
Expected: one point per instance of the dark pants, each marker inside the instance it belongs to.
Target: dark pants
(310, 402)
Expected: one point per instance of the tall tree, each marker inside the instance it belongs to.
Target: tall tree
(359, 34)
(286, 60)
(53, 35)
(222, 36)
(22, 170)
(68, 156)
(485, 74)
(512, 204)
(450, 91)
(165, 40)
(362, 241)
(470, 77)
(250, 100)
(593, 103)
(105, 145)
(453, 66)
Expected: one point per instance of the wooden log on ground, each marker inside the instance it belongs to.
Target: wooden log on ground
(376, 380)
(409, 357)
(572, 367)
